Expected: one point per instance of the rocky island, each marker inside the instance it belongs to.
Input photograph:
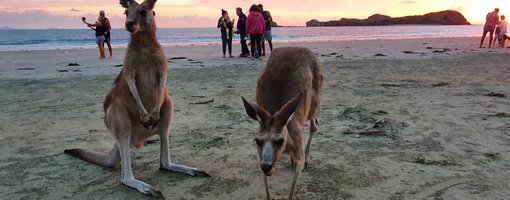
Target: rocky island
(447, 17)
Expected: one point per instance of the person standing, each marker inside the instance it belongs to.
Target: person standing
(241, 30)
(100, 28)
(106, 22)
(491, 20)
(225, 26)
(255, 27)
(267, 34)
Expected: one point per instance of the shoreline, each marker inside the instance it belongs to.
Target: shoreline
(165, 45)
(54, 63)
(52, 39)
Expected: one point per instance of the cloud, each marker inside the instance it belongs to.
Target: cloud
(409, 2)
(75, 10)
(14, 9)
(40, 19)
(186, 21)
(458, 8)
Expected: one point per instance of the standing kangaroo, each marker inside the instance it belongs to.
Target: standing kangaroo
(138, 105)
(289, 92)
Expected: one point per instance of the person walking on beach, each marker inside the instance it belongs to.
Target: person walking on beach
(255, 27)
(100, 28)
(241, 30)
(491, 20)
(225, 26)
(267, 34)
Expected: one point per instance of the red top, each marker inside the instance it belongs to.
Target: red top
(255, 23)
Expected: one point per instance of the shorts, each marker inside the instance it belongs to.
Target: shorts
(267, 36)
(489, 28)
(107, 39)
(100, 39)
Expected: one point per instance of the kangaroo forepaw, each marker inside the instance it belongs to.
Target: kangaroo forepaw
(154, 123)
(150, 123)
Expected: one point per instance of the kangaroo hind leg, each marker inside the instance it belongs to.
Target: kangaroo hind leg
(313, 130)
(164, 126)
(120, 127)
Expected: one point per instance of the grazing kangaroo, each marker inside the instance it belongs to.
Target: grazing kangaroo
(138, 105)
(289, 92)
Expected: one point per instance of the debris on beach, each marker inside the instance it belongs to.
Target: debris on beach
(73, 64)
(26, 68)
(177, 58)
(119, 65)
(366, 133)
(493, 155)
(379, 54)
(440, 84)
(410, 52)
(203, 102)
(502, 115)
(442, 50)
(92, 131)
(427, 161)
(62, 70)
(495, 94)
(389, 85)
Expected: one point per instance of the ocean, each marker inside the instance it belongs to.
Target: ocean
(37, 39)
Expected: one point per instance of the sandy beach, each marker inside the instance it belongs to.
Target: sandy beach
(442, 107)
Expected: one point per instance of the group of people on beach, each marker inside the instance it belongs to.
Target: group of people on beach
(255, 27)
(102, 28)
(497, 26)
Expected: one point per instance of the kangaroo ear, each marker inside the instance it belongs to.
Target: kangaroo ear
(283, 115)
(254, 111)
(148, 4)
(127, 3)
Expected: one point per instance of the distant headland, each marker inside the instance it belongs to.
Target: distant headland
(6, 28)
(447, 17)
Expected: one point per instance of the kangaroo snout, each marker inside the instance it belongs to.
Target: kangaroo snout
(267, 168)
(130, 26)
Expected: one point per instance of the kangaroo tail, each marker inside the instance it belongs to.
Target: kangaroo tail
(106, 159)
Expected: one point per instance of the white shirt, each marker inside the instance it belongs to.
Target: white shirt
(504, 27)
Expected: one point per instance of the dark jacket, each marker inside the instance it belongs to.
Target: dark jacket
(241, 24)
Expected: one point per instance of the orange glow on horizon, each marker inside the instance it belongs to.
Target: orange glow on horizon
(188, 13)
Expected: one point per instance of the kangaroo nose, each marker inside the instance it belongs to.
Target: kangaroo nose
(130, 24)
(266, 168)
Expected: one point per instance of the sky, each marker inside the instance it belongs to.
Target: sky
(40, 14)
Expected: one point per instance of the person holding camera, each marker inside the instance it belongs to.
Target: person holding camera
(102, 28)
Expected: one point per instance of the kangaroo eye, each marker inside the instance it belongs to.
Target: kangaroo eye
(143, 13)
(279, 142)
